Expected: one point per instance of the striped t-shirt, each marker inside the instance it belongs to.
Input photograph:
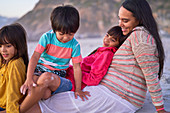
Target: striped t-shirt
(134, 69)
(56, 55)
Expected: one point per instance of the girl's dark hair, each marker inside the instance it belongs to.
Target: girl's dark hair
(116, 32)
(143, 13)
(15, 34)
(65, 19)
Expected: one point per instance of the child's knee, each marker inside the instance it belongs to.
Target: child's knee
(47, 78)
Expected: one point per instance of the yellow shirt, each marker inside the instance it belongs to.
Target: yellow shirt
(12, 77)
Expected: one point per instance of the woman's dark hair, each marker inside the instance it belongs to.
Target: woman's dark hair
(15, 34)
(65, 19)
(143, 13)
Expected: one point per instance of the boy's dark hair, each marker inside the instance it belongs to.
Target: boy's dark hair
(15, 34)
(65, 19)
(116, 32)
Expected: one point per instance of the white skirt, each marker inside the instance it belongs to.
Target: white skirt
(102, 100)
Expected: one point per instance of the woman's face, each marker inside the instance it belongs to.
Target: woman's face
(126, 20)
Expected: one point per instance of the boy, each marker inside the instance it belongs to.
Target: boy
(51, 58)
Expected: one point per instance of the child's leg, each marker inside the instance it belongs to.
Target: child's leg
(34, 109)
(65, 85)
(47, 94)
(47, 81)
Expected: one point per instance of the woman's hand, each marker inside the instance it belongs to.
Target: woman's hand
(82, 94)
(27, 86)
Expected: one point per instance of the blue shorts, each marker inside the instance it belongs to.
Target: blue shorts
(65, 85)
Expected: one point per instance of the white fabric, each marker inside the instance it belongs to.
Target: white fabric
(102, 100)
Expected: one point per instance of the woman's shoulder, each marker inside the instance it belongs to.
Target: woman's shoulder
(141, 35)
(140, 29)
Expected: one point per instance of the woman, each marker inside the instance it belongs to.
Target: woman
(136, 66)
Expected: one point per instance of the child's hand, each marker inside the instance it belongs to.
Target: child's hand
(27, 86)
(82, 94)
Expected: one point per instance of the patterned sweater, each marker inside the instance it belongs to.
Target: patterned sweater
(134, 69)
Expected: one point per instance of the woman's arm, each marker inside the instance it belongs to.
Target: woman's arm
(145, 52)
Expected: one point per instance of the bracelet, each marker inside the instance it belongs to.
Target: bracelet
(160, 109)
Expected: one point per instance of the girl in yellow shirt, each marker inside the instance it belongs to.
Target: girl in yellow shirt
(13, 65)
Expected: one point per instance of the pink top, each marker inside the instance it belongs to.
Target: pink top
(94, 67)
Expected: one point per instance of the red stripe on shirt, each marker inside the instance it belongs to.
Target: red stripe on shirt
(145, 54)
(155, 90)
(153, 84)
(150, 67)
(126, 46)
(148, 38)
(152, 79)
(77, 59)
(125, 50)
(123, 60)
(152, 73)
(61, 51)
(158, 96)
(132, 74)
(148, 62)
(136, 38)
(39, 48)
(158, 102)
(125, 65)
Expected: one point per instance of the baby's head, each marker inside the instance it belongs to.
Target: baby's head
(114, 37)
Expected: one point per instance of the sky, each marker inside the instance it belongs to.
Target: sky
(16, 8)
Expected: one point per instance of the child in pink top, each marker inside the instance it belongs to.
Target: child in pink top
(95, 66)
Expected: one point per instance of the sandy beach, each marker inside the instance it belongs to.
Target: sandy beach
(89, 44)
